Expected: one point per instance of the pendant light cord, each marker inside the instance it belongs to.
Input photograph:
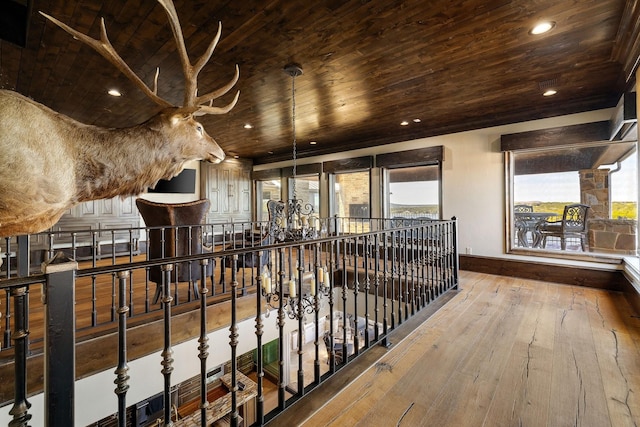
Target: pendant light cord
(293, 115)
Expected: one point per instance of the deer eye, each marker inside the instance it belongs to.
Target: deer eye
(199, 129)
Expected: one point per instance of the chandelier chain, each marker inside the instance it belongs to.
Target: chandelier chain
(295, 148)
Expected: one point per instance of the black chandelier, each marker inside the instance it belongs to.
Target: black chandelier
(294, 305)
(299, 221)
(294, 221)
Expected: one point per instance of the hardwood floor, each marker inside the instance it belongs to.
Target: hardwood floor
(502, 352)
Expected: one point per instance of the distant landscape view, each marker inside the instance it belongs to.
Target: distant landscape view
(619, 210)
(414, 211)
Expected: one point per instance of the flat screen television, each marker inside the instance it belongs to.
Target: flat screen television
(184, 182)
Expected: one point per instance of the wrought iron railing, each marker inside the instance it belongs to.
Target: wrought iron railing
(352, 289)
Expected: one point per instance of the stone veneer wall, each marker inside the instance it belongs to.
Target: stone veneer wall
(613, 236)
(594, 191)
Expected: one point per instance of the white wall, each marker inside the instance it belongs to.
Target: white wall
(473, 179)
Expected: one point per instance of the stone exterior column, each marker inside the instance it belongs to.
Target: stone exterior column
(606, 234)
(594, 191)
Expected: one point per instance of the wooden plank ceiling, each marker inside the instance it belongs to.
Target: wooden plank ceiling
(368, 65)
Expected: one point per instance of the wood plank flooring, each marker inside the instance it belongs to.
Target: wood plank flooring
(503, 352)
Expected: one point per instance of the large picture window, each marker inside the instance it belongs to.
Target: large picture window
(307, 191)
(266, 190)
(574, 199)
(412, 192)
(351, 194)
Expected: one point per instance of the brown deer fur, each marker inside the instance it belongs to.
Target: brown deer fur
(50, 162)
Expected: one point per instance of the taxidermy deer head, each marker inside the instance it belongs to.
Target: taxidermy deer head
(50, 162)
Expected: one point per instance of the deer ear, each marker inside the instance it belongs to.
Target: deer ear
(194, 111)
(180, 116)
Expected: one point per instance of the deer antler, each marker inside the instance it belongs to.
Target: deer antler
(191, 103)
(104, 48)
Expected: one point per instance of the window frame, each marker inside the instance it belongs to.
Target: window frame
(332, 192)
(510, 228)
(304, 202)
(386, 191)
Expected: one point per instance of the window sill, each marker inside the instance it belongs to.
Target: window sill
(601, 258)
(631, 269)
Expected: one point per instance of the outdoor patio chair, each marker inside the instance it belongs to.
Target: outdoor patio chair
(572, 225)
(523, 223)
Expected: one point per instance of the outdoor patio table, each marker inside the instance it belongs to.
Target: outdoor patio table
(525, 222)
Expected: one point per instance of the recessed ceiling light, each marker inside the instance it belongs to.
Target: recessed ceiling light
(269, 152)
(549, 92)
(416, 120)
(248, 126)
(313, 142)
(236, 156)
(542, 27)
(114, 92)
(404, 123)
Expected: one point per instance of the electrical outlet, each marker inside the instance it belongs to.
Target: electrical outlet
(468, 250)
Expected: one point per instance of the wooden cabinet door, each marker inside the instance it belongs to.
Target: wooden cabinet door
(228, 187)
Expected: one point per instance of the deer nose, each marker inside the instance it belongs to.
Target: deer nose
(216, 155)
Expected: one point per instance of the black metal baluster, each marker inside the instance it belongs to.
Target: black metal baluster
(147, 305)
(203, 342)
(281, 323)
(421, 279)
(167, 352)
(176, 267)
(6, 341)
(114, 296)
(300, 314)
(74, 243)
(94, 293)
(454, 251)
(51, 250)
(356, 291)
(7, 312)
(405, 272)
(331, 266)
(431, 272)
(233, 341)
(415, 268)
(345, 279)
(21, 405)
(367, 288)
(259, 333)
(397, 296)
(316, 305)
(445, 256)
(376, 285)
(122, 378)
(439, 263)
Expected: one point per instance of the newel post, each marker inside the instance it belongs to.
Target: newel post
(60, 339)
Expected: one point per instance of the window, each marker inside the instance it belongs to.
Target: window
(412, 183)
(266, 190)
(547, 183)
(412, 192)
(307, 191)
(351, 194)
